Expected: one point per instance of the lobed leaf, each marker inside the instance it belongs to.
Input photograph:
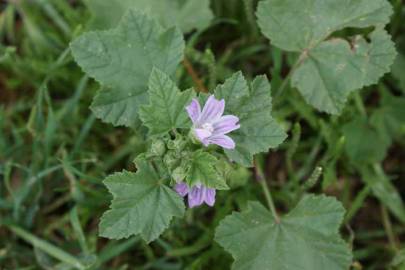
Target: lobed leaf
(252, 104)
(167, 105)
(141, 204)
(320, 76)
(122, 59)
(305, 239)
(330, 69)
(296, 25)
(201, 170)
(106, 14)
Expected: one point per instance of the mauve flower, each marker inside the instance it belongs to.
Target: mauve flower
(198, 194)
(210, 125)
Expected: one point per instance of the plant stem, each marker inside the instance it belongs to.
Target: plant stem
(384, 214)
(388, 228)
(267, 194)
(290, 73)
(201, 243)
(250, 15)
(197, 80)
(357, 203)
(269, 200)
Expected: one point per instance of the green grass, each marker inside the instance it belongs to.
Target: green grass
(54, 153)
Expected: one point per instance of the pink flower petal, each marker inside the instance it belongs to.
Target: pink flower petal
(226, 124)
(209, 196)
(209, 126)
(195, 197)
(194, 110)
(181, 189)
(222, 140)
(202, 134)
(213, 109)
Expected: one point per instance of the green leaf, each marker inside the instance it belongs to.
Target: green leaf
(319, 78)
(167, 105)
(306, 239)
(122, 59)
(141, 204)
(106, 14)
(252, 104)
(305, 27)
(364, 145)
(296, 25)
(201, 170)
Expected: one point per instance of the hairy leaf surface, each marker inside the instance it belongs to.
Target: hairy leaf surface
(167, 105)
(122, 60)
(252, 104)
(201, 170)
(141, 204)
(188, 15)
(307, 238)
(330, 68)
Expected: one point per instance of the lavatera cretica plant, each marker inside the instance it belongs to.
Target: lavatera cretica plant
(194, 138)
(191, 136)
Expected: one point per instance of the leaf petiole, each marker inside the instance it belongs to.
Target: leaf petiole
(266, 190)
(299, 61)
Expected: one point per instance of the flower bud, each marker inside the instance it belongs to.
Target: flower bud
(177, 144)
(158, 148)
(171, 159)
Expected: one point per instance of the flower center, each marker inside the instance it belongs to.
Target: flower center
(208, 127)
